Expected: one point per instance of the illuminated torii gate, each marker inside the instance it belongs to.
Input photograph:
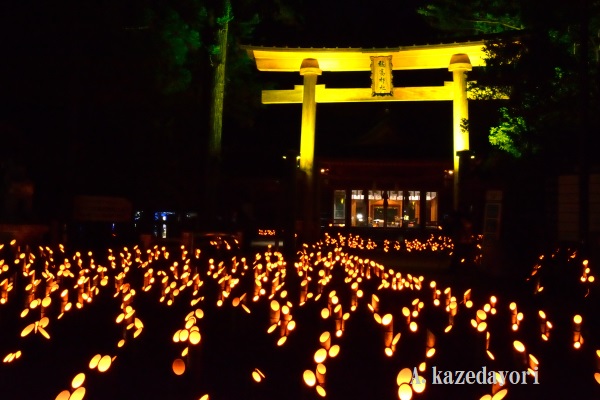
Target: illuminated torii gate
(458, 58)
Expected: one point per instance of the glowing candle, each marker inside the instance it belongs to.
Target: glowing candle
(325, 340)
(78, 380)
(78, 394)
(309, 378)
(257, 375)
(514, 316)
(520, 353)
(404, 392)
(430, 344)
(374, 303)
(64, 395)
(320, 374)
(334, 351)
(533, 364)
(320, 356)
(577, 337)
(467, 296)
(274, 312)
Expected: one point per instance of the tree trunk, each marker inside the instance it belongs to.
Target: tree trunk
(213, 159)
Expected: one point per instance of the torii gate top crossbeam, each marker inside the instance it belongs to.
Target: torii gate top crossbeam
(283, 59)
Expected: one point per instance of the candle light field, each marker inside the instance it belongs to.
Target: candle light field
(333, 323)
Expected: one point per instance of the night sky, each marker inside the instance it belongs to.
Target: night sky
(81, 111)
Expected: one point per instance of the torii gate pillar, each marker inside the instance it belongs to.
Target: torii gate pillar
(309, 70)
(459, 66)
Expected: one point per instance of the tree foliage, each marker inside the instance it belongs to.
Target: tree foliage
(537, 51)
(113, 97)
(175, 38)
(473, 17)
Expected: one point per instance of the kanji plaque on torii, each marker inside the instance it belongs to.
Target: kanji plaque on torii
(381, 76)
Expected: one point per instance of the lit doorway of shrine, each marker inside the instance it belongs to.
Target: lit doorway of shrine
(389, 209)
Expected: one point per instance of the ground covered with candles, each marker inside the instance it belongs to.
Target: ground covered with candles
(130, 323)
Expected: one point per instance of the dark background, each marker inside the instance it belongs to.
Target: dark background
(80, 112)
